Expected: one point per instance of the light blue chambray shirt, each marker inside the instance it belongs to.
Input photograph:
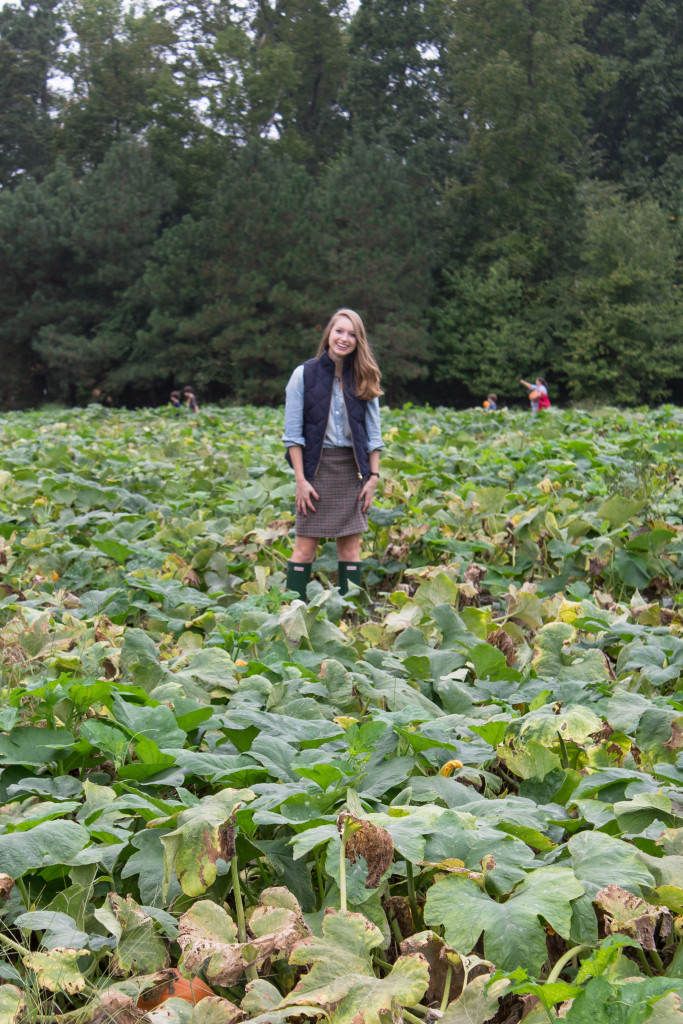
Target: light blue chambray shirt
(338, 433)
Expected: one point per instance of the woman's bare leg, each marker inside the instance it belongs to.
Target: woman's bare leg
(304, 549)
(348, 548)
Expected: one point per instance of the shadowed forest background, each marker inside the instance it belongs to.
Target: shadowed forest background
(188, 190)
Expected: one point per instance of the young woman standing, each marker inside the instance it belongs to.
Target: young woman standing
(333, 438)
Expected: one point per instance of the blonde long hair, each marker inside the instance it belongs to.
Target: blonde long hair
(365, 369)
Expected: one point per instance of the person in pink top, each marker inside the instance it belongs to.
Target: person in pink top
(538, 394)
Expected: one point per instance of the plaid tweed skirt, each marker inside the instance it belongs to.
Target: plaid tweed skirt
(338, 511)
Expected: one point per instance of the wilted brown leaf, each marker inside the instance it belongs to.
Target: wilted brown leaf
(436, 953)
(630, 915)
(207, 936)
(399, 908)
(503, 641)
(115, 1009)
(371, 842)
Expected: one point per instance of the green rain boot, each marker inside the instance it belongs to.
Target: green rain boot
(298, 575)
(349, 572)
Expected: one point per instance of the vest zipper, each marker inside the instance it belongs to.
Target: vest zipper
(353, 443)
(322, 447)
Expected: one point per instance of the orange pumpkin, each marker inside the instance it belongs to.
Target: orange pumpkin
(174, 985)
(534, 396)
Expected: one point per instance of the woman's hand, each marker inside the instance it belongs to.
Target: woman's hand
(305, 493)
(368, 492)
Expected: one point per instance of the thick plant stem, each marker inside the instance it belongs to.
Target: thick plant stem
(342, 876)
(411, 1017)
(446, 988)
(396, 931)
(657, 960)
(414, 909)
(21, 886)
(319, 873)
(564, 960)
(252, 973)
(6, 941)
(644, 962)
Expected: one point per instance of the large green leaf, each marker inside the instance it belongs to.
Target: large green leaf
(513, 930)
(30, 745)
(51, 842)
(140, 659)
(58, 929)
(478, 1002)
(599, 859)
(619, 509)
(553, 659)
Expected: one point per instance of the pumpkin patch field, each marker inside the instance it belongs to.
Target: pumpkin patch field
(453, 795)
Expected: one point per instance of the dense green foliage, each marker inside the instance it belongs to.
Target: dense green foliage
(499, 714)
(187, 192)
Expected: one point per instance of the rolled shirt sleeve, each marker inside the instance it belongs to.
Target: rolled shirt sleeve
(294, 410)
(373, 430)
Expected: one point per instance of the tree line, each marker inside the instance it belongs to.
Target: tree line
(188, 190)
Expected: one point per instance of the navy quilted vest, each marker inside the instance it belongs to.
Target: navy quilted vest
(318, 384)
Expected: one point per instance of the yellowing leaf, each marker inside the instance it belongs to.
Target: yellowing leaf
(199, 840)
(11, 1004)
(341, 979)
(207, 936)
(57, 970)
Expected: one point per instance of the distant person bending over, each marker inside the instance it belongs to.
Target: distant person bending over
(191, 403)
(333, 438)
(538, 394)
(175, 400)
(491, 403)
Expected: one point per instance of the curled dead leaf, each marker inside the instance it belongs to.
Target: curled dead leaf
(6, 886)
(675, 741)
(596, 565)
(227, 839)
(207, 935)
(116, 1008)
(435, 950)
(474, 573)
(627, 914)
(191, 579)
(398, 907)
(371, 842)
(503, 641)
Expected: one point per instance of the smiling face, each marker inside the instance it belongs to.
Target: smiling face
(342, 341)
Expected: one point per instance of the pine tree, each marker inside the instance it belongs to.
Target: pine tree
(29, 36)
(380, 256)
(238, 294)
(636, 114)
(71, 260)
(625, 345)
(394, 89)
